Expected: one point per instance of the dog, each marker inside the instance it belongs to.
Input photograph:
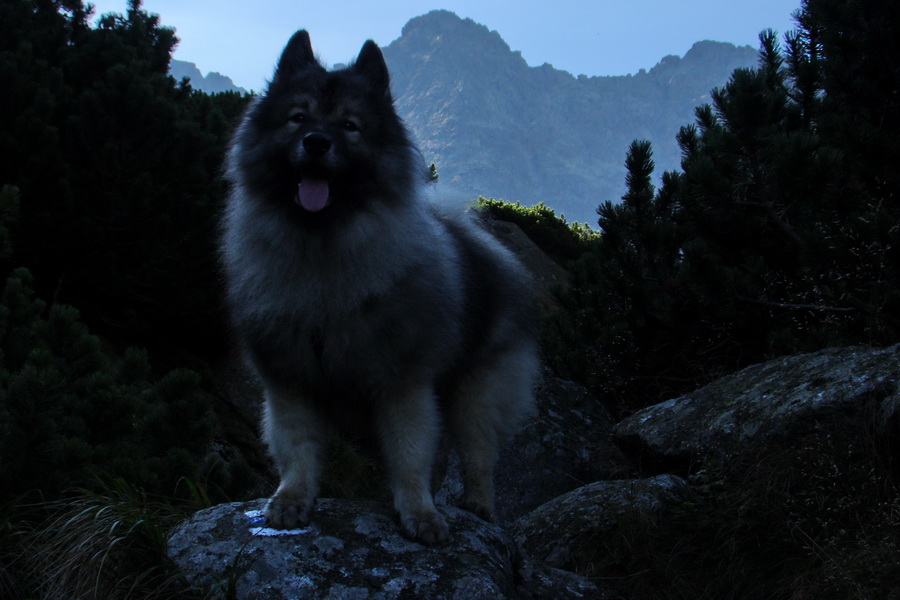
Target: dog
(359, 304)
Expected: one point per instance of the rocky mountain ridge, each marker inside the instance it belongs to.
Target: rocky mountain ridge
(496, 127)
(211, 83)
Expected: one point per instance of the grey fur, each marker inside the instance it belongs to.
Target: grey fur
(378, 310)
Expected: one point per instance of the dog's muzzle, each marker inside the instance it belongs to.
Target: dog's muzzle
(316, 143)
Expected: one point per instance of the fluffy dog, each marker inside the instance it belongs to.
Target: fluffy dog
(359, 304)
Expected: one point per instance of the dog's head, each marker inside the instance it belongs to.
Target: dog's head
(327, 141)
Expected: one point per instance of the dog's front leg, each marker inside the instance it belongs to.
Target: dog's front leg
(409, 430)
(293, 432)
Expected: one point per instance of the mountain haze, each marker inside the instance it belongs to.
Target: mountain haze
(212, 83)
(496, 127)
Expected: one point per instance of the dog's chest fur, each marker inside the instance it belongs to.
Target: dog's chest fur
(317, 312)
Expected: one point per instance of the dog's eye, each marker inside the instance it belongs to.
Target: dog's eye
(350, 126)
(297, 117)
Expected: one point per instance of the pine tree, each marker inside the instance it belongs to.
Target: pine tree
(639, 304)
(70, 411)
(116, 191)
(119, 168)
(779, 235)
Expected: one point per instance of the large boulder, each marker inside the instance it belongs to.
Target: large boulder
(353, 549)
(586, 524)
(567, 443)
(846, 395)
(547, 275)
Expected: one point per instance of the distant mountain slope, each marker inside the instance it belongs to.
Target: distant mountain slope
(497, 127)
(211, 84)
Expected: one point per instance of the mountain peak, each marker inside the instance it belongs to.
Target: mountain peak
(441, 21)
(444, 28)
(707, 51)
(721, 57)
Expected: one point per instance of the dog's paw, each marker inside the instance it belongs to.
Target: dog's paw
(428, 528)
(285, 512)
(480, 510)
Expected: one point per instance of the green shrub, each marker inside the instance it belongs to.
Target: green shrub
(562, 241)
(70, 407)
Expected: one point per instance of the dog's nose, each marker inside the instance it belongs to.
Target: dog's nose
(316, 143)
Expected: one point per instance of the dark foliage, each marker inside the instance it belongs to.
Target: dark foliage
(118, 167)
(109, 193)
(71, 409)
(779, 234)
(800, 522)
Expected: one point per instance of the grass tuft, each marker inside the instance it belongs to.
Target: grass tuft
(102, 546)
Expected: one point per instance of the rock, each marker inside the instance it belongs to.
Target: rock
(353, 549)
(546, 583)
(547, 275)
(237, 409)
(567, 444)
(587, 523)
(845, 394)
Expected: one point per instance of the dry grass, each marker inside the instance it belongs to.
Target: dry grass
(97, 546)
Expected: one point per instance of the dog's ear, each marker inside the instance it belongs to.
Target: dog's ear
(370, 63)
(298, 54)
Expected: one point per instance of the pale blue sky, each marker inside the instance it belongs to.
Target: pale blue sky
(243, 38)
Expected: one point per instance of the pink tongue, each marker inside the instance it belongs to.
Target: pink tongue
(313, 194)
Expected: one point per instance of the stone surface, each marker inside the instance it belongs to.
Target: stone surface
(567, 444)
(588, 520)
(547, 275)
(848, 394)
(354, 550)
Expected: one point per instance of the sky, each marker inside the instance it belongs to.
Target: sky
(242, 39)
